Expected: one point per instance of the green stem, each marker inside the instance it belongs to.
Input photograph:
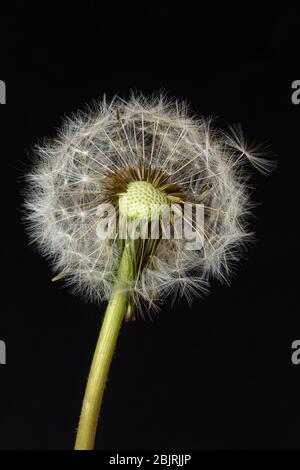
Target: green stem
(113, 318)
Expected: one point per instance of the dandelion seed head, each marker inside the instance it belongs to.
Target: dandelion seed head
(134, 154)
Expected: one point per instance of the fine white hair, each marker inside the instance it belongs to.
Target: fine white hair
(67, 182)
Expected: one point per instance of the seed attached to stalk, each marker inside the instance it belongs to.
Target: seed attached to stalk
(141, 159)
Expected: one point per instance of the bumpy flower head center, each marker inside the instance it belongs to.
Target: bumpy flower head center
(142, 201)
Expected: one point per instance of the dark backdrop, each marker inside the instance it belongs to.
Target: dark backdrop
(215, 376)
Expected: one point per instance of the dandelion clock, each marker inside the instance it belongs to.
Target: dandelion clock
(134, 201)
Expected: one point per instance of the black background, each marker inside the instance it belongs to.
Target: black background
(215, 376)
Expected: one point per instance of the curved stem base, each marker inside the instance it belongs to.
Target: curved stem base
(113, 318)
